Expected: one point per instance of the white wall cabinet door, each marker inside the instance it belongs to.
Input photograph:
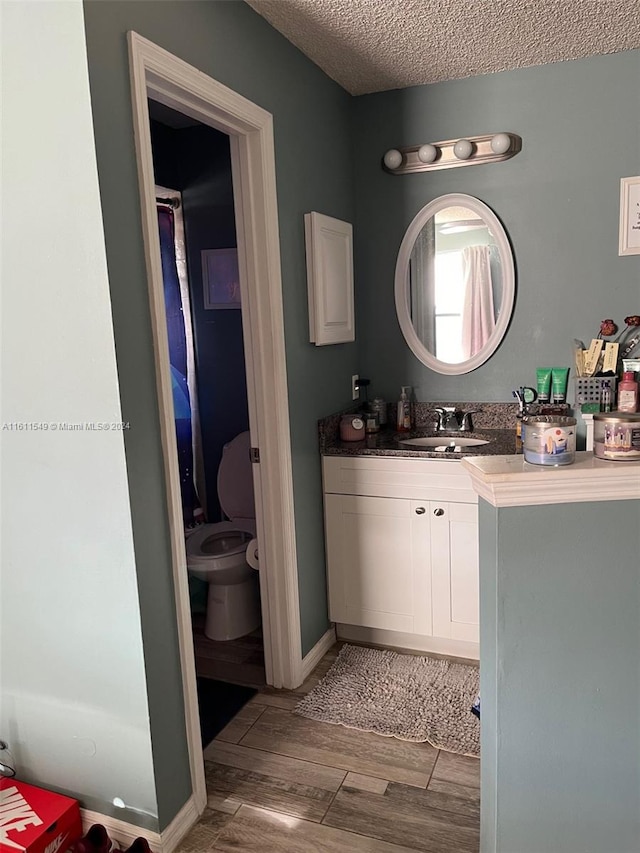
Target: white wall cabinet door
(378, 562)
(329, 248)
(455, 570)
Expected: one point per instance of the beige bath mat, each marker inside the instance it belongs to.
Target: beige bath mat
(410, 697)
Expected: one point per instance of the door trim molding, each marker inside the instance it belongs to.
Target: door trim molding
(158, 74)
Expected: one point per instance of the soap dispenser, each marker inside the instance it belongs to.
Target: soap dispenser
(403, 419)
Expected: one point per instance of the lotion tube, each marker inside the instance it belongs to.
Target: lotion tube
(543, 375)
(559, 383)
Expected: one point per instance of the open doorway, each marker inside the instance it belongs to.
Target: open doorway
(159, 76)
(196, 228)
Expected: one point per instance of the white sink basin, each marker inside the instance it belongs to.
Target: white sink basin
(443, 442)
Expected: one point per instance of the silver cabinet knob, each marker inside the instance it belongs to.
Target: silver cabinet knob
(439, 511)
(420, 510)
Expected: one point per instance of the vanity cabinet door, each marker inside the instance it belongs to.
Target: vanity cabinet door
(455, 570)
(378, 562)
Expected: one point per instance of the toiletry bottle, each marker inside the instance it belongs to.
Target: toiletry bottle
(380, 407)
(605, 396)
(371, 422)
(519, 395)
(543, 375)
(403, 419)
(628, 393)
(559, 381)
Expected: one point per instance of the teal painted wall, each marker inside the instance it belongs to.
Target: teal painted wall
(558, 200)
(488, 526)
(560, 682)
(314, 172)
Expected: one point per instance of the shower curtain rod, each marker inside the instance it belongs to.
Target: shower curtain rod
(170, 202)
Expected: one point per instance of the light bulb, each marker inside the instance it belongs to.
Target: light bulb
(392, 159)
(463, 149)
(427, 153)
(500, 143)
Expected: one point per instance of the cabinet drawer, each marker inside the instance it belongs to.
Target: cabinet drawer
(397, 477)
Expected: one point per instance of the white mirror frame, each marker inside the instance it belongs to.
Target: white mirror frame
(402, 283)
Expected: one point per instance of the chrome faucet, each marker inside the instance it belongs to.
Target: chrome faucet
(451, 419)
(447, 419)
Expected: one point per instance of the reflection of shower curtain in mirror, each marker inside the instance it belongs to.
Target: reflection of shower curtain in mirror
(178, 359)
(478, 316)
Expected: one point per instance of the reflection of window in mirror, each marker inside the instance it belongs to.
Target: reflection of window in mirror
(449, 300)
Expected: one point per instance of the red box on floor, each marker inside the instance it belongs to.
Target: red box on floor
(33, 820)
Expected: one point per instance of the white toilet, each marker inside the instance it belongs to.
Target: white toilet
(218, 553)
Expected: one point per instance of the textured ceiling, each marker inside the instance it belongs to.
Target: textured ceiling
(374, 45)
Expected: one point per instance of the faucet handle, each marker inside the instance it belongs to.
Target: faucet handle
(442, 417)
(466, 425)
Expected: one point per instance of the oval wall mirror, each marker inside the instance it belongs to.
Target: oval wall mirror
(454, 284)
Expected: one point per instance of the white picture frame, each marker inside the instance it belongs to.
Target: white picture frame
(629, 216)
(220, 278)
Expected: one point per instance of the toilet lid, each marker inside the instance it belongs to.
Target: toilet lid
(235, 479)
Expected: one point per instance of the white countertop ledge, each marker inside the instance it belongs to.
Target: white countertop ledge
(510, 481)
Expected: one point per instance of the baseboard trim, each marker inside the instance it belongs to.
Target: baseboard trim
(124, 833)
(311, 660)
(120, 831)
(411, 643)
(179, 826)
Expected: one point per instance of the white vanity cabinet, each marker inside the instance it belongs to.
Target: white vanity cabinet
(402, 551)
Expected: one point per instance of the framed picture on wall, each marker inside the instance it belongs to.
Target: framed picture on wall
(220, 278)
(629, 216)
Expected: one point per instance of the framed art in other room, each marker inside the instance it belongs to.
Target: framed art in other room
(220, 278)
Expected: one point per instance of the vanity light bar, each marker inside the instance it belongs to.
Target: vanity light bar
(490, 148)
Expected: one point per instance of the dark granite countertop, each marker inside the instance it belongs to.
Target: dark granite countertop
(386, 442)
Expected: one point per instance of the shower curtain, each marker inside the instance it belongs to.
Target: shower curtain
(478, 315)
(191, 509)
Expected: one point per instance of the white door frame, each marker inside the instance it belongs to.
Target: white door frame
(157, 74)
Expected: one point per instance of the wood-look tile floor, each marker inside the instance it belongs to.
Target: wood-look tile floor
(279, 783)
(238, 661)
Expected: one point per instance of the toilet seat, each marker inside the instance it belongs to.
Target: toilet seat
(216, 553)
(219, 543)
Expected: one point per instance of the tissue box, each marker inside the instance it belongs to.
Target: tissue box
(33, 820)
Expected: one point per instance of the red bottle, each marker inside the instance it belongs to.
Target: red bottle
(628, 393)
